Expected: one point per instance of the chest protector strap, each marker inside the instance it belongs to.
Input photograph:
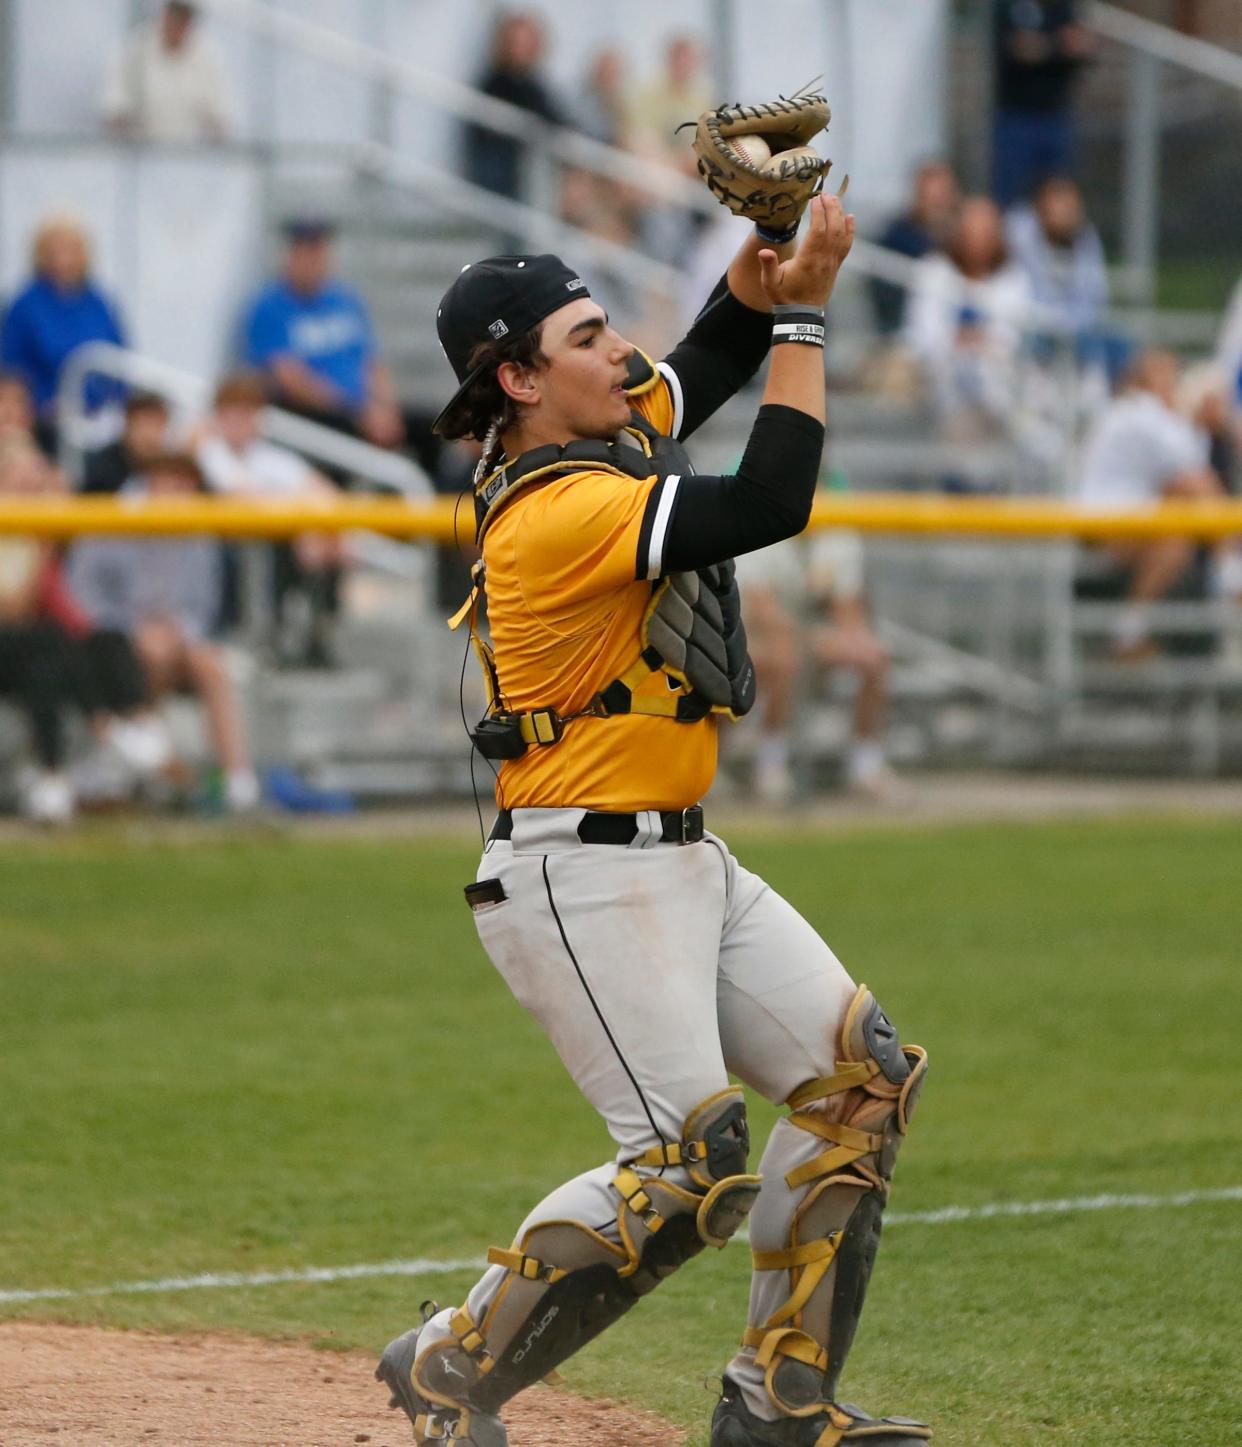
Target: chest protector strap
(692, 630)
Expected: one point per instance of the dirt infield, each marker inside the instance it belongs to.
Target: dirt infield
(76, 1384)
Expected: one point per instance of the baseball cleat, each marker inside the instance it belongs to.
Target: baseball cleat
(735, 1425)
(433, 1422)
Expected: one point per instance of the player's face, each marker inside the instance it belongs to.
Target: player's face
(582, 387)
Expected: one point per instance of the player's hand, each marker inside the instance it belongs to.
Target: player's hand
(811, 272)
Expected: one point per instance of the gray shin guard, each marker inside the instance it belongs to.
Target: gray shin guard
(566, 1282)
(802, 1347)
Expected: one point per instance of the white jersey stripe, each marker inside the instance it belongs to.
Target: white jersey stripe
(679, 403)
(659, 529)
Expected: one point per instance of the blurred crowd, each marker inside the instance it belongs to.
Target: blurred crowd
(1003, 311)
(103, 630)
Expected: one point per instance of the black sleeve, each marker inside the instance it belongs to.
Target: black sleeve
(691, 522)
(721, 352)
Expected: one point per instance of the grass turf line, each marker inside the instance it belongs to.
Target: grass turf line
(253, 1054)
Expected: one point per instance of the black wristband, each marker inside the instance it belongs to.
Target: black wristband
(776, 238)
(796, 322)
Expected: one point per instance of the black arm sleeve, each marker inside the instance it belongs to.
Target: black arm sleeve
(691, 522)
(720, 353)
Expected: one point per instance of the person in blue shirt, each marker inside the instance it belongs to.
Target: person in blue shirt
(310, 337)
(58, 310)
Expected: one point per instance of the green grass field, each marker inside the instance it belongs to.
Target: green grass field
(255, 1053)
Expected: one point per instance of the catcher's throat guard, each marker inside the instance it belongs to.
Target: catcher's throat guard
(692, 630)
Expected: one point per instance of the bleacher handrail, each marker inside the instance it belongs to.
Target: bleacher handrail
(1213, 62)
(449, 519)
(374, 464)
(464, 101)
(469, 104)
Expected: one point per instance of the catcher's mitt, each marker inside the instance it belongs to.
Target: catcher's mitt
(773, 190)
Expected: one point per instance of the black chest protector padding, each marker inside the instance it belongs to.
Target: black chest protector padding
(695, 625)
(695, 622)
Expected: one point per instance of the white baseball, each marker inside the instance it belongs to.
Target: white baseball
(754, 148)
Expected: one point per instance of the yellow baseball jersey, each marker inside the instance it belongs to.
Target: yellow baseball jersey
(570, 565)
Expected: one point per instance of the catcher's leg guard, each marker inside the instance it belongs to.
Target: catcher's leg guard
(802, 1346)
(566, 1281)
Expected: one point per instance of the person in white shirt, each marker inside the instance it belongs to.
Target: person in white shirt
(805, 600)
(168, 83)
(236, 460)
(1142, 450)
(964, 324)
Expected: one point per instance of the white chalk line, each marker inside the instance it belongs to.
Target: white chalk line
(945, 1215)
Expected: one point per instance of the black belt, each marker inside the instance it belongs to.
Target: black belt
(677, 826)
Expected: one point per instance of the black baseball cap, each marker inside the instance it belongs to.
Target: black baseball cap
(308, 228)
(501, 296)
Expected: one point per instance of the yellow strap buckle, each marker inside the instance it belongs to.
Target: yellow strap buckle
(629, 1186)
(529, 1268)
(542, 726)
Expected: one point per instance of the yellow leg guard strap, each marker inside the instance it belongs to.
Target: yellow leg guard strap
(629, 1186)
(833, 1433)
(470, 1339)
(677, 1154)
(772, 1347)
(851, 1144)
(527, 1267)
(812, 1258)
(850, 1073)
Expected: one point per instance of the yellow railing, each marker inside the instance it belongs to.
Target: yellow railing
(890, 513)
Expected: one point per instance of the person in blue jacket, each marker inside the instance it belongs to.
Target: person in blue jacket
(54, 314)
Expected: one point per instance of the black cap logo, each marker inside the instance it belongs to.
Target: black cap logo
(498, 329)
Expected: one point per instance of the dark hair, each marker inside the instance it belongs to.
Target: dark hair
(241, 389)
(145, 402)
(486, 404)
(183, 464)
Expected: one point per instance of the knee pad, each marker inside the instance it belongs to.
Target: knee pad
(566, 1281)
(836, 1228)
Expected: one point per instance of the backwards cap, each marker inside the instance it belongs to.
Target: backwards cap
(502, 296)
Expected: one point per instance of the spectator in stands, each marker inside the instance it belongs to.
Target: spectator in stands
(804, 602)
(602, 111)
(924, 226)
(680, 94)
(164, 594)
(1058, 248)
(495, 159)
(34, 664)
(168, 83)
(310, 337)
(1040, 47)
(1205, 397)
(145, 436)
(1229, 351)
(965, 321)
(237, 461)
(71, 662)
(1141, 450)
(59, 310)
(17, 418)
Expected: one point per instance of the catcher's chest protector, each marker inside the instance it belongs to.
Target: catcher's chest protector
(692, 630)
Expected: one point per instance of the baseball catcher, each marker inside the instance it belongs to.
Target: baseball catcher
(656, 963)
